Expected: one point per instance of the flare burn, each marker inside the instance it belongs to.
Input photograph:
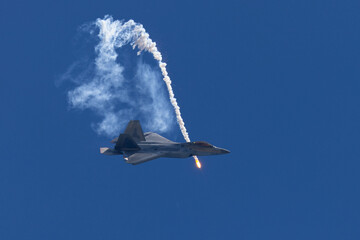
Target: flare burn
(198, 163)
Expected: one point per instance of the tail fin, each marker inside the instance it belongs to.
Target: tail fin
(126, 143)
(134, 130)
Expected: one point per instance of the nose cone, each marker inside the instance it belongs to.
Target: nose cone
(224, 151)
(221, 150)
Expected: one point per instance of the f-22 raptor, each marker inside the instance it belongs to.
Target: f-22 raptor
(138, 147)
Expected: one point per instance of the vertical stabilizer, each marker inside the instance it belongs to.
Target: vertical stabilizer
(126, 143)
(135, 131)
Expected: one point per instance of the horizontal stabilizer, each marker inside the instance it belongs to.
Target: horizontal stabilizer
(108, 151)
(103, 150)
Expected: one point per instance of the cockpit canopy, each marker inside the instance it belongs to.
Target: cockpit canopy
(203, 144)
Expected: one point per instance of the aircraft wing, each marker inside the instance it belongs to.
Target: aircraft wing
(154, 137)
(138, 158)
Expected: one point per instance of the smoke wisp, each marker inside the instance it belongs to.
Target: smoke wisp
(103, 88)
(136, 35)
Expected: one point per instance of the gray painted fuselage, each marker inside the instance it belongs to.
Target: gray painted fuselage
(173, 150)
(138, 147)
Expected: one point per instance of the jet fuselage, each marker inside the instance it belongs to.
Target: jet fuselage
(138, 147)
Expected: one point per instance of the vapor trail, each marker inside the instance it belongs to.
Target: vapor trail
(103, 87)
(135, 34)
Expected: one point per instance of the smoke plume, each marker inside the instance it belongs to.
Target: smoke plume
(109, 86)
(120, 33)
(103, 88)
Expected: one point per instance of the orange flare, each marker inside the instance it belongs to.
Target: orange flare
(198, 163)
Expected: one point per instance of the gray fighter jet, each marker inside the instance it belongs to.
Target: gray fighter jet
(138, 147)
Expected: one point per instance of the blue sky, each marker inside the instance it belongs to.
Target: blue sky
(277, 83)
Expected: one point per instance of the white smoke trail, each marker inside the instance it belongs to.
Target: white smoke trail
(118, 33)
(104, 89)
(114, 34)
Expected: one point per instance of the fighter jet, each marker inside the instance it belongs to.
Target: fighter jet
(138, 147)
